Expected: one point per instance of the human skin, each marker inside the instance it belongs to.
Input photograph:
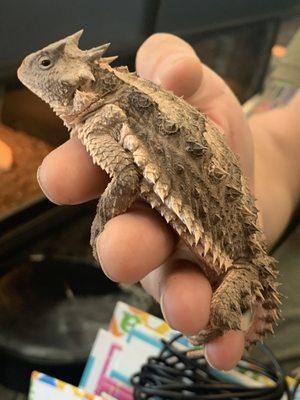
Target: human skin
(267, 148)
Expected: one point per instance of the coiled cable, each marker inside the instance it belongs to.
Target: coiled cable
(174, 375)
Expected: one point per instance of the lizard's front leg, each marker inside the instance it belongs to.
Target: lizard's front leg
(116, 199)
(106, 152)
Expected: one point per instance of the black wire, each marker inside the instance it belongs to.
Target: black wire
(174, 375)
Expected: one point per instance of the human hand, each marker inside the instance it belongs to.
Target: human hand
(68, 176)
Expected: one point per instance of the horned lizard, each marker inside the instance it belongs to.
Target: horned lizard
(158, 148)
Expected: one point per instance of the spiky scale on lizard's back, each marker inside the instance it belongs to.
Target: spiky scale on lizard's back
(155, 145)
(194, 169)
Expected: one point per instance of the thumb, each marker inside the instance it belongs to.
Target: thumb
(171, 62)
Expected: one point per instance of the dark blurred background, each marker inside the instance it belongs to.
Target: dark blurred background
(43, 248)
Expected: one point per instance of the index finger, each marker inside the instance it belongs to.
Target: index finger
(68, 176)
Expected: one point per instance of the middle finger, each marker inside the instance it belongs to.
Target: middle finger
(135, 243)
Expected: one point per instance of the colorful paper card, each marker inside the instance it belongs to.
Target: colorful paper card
(44, 387)
(133, 337)
(141, 343)
(97, 374)
(126, 317)
(114, 360)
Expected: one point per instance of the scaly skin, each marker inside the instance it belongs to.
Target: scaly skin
(156, 147)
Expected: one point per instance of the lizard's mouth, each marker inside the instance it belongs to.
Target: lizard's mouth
(21, 73)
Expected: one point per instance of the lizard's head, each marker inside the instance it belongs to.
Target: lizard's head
(55, 72)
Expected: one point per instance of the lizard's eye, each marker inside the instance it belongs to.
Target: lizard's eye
(45, 62)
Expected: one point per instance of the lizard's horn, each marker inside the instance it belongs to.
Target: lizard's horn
(96, 52)
(108, 60)
(74, 39)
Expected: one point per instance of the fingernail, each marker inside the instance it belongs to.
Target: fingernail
(207, 358)
(167, 66)
(102, 265)
(162, 307)
(40, 179)
(97, 240)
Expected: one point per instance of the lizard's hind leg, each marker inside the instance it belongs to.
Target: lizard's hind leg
(233, 303)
